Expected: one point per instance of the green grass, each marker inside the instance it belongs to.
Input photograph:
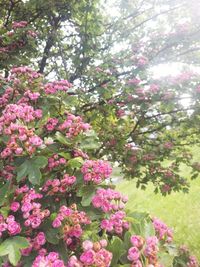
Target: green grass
(180, 211)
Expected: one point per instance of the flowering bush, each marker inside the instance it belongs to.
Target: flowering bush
(58, 207)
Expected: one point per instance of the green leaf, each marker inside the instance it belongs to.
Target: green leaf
(90, 141)
(52, 235)
(3, 192)
(4, 211)
(12, 246)
(75, 163)
(62, 139)
(166, 259)
(65, 155)
(87, 192)
(116, 247)
(31, 168)
(149, 229)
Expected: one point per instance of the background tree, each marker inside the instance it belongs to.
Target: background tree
(140, 121)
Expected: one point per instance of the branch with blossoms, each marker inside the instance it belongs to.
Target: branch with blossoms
(57, 206)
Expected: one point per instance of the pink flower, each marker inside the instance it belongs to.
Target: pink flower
(137, 241)
(40, 238)
(87, 257)
(15, 206)
(35, 140)
(133, 254)
(56, 223)
(103, 242)
(14, 228)
(87, 245)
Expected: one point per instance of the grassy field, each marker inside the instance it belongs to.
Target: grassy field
(180, 211)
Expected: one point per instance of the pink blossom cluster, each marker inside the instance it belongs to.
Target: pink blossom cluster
(36, 243)
(15, 43)
(109, 200)
(56, 161)
(133, 81)
(54, 87)
(94, 254)
(19, 24)
(32, 95)
(142, 61)
(151, 249)
(21, 71)
(71, 221)
(140, 248)
(59, 186)
(23, 112)
(7, 172)
(191, 259)
(120, 113)
(153, 88)
(96, 171)
(73, 126)
(192, 262)
(115, 223)
(80, 153)
(9, 225)
(163, 232)
(52, 259)
(21, 139)
(51, 124)
(167, 95)
(148, 157)
(31, 210)
(6, 96)
(168, 145)
(32, 34)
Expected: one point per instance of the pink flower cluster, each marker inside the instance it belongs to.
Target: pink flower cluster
(55, 161)
(151, 249)
(96, 171)
(5, 97)
(32, 34)
(9, 225)
(73, 126)
(94, 254)
(19, 24)
(52, 259)
(141, 247)
(133, 81)
(142, 61)
(7, 172)
(168, 145)
(51, 124)
(80, 153)
(59, 186)
(109, 200)
(192, 262)
(31, 210)
(32, 95)
(71, 221)
(54, 87)
(120, 113)
(115, 223)
(162, 230)
(24, 70)
(148, 157)
(35, 244)
(22, 112)
(21, 140)
(153, 89)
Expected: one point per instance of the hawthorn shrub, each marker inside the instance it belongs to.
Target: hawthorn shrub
(58, 205)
